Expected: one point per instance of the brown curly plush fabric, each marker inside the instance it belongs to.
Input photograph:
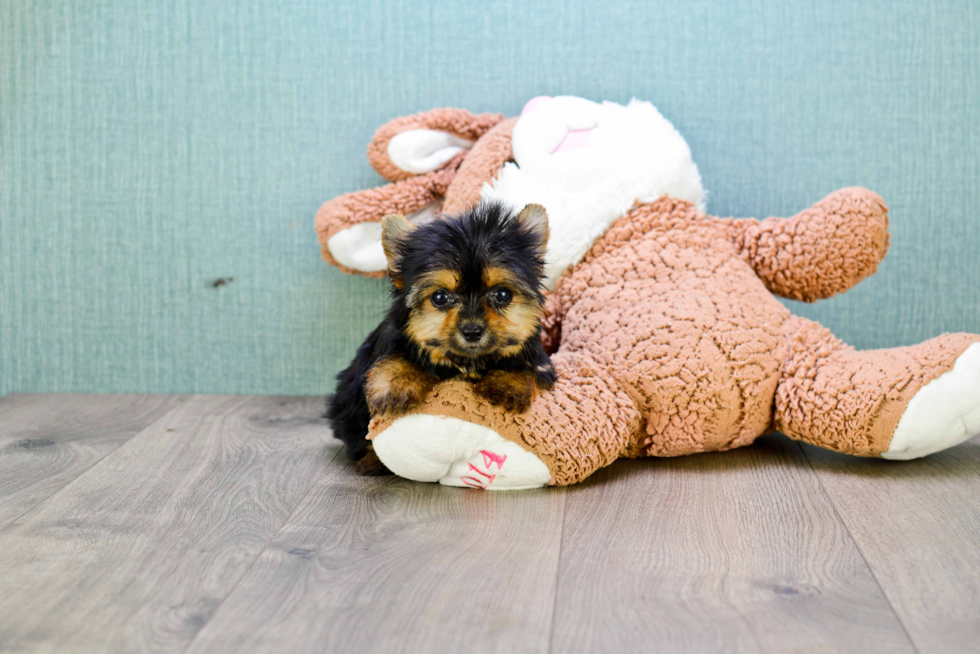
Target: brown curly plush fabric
(551, 323)
(482, 164)
(837, 397)
(673, 343)
(458, 122)
(794, 256)
(667, 337)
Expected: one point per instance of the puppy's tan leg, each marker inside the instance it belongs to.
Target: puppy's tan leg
(394, 386)
(512, 390)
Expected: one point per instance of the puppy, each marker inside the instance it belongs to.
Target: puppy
(466, 302)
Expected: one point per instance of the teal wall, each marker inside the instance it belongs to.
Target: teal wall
(150, 148)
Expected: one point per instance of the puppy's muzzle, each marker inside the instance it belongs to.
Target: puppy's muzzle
(472, 332)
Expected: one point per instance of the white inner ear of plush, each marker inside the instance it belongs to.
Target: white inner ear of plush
(425, 214)
(633, 153)
(359, 246)
(945, 412)
(423, 150)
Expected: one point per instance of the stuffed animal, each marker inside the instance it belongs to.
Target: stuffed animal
(663, 322)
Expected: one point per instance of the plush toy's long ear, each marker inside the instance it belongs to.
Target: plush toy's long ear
(349, 226)
(481, 165)
(421, 143)
(535, 219)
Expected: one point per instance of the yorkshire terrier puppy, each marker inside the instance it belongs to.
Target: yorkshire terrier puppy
(466, 301)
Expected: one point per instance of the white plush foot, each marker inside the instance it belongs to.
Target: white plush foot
(944, 413)
(454, 452)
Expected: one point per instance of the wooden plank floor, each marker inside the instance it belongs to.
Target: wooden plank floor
(235, 524)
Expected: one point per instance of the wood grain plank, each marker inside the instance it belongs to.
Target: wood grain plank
(733, 551)
(918, 525)
(46, 441)
(378, 565)
(136, 554)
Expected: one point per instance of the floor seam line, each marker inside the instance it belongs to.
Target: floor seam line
(262, 551)
(857, 546)
(9, 525)
(561, 552)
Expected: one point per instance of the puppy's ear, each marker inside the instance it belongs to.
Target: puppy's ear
(394, 228)
(535, 219)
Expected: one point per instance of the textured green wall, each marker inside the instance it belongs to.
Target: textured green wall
(148, 149)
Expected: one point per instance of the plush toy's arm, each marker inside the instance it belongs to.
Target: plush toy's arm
(421, 143)
(819, 252)
(349, 226)
(584, 423)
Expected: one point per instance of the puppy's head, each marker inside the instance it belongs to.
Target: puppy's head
(469, 284)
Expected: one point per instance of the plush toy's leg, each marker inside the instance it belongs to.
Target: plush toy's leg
(898, 403)
(459, 439)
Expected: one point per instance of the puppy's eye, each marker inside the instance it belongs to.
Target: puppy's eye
(440, 299)
(502, 296)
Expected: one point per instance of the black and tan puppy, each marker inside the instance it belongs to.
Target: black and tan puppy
(466, 301)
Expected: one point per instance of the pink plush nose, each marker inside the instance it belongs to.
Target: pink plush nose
(573, 140)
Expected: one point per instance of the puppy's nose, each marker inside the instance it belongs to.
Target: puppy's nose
(471, 331)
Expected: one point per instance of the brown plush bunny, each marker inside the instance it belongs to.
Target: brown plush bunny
(667, 335)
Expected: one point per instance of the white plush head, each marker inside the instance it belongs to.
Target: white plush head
(588, 163)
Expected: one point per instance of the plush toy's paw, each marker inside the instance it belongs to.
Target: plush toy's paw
(394, 386)
(945, 412)
(514, 391)
(454, 452)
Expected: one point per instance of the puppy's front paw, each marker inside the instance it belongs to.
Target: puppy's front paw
(512, 390)
(395, 386)
(394, 400)
(546, 376)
